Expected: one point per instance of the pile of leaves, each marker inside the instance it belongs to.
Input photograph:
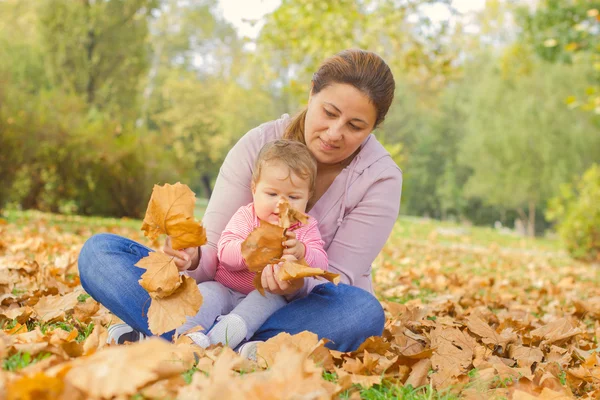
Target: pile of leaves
(475, 322)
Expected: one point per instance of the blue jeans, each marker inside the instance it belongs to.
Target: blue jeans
(344, 314)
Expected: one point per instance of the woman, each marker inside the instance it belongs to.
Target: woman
(356, 201)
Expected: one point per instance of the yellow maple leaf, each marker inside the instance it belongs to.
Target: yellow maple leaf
(171, 212)
(168, 313)
(161, 277)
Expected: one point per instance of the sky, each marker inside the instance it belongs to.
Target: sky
(236, 11)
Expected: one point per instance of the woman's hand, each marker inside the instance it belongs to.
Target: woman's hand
(185, 259)
(293, 246)
(272, 284)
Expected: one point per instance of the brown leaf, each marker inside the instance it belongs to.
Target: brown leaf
(488, 335)
(21, 314)
(556, 331)
(291, 270)
(96, 340)
(53, 308)
(169, 313)
(161, 277)
(131, 367)
(452, 356)
(83, 312)
(525, 356)
(288, 216)
(304, 341)
(171, 212)
(418, 374)
(263, 246)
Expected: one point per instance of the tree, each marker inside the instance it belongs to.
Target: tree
(521, 142)
(97, 49)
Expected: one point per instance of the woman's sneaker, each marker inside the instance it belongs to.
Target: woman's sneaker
(248, 350)
(121, 333)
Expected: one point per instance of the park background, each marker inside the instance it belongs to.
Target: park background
(495, 109)
(489, 279)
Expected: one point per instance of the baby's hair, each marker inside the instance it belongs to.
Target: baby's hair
(294, 154)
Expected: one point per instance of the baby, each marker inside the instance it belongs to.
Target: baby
(284, 170)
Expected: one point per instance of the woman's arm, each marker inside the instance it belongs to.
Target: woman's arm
(365, 230)
(362, 234)
(315, 255)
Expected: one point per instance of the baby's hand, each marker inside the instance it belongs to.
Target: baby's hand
(292, 246)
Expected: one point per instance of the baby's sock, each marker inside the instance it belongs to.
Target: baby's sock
(230, 331)
(200, 339)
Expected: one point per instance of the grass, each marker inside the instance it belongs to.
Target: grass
(407, 228)
(21, 360)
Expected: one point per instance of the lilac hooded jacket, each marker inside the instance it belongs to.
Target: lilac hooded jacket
(356, 214)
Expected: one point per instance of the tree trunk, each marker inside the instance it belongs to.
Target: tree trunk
(531, 221)
(206, 185)
(90, 45)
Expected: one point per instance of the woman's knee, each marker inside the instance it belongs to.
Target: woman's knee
(94, 245)
(357, 306)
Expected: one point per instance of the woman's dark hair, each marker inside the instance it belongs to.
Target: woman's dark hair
(364, 70)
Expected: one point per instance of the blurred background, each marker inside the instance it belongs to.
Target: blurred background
(496, 119)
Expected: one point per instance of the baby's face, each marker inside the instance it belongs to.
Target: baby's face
(278, 183)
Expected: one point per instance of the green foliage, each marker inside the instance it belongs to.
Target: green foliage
(558, 28)
(97, 49)
(577, 212)
(520, 151)
(21, 360)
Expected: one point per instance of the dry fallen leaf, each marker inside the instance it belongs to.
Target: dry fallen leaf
(161, 277)
(122, 370)
(168, 313)
(54, 308)
(292, 270)
(288, 216)
(171, 212)
(263, 246)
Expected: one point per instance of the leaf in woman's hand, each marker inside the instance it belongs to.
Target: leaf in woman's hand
(161, 277)
(169, 312)
(171, 212)
(263, 246)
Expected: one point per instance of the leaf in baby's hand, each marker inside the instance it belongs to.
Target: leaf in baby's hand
(171, 212)
(161, 277)
(289, 216)
(295, 270)
(169, 313)
(263, 246)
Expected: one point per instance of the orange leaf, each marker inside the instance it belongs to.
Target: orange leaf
(53, 308)
(263, 246)
(35, 387)
(161, 277)
(171, 212)
(169, 312)
(288, 216)
(292, 270)
(109, 373)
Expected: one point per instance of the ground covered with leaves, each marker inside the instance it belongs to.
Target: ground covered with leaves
(471, 314)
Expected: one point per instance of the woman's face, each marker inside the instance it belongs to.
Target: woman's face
(338, 120)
